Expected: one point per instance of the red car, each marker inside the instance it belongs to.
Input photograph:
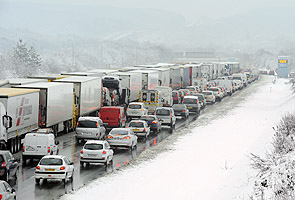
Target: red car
(114, 116)
(176, 97)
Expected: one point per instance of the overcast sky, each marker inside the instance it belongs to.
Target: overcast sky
(191, 9)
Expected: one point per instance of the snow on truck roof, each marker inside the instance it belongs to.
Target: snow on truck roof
(49, 77)
(77, 79)
(20, 81)
(9, 92)
(41, 85)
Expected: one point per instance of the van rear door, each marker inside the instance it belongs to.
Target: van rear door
(110, 116)
(42, 144)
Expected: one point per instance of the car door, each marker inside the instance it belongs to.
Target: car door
(101, 127)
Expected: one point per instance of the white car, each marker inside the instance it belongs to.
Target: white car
(96, 151)
(54, 167)
(140, 128)
(122, 137)
(6, 191)
(217, 92)
(136, 110)
(209, 96)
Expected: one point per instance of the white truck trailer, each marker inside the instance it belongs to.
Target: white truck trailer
(19, 110)
(131, 84)
(56, 105)
(164, 76)
(22, 81)
(150, 79)
(88, 94)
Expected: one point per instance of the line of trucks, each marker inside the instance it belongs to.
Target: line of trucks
(57, 101)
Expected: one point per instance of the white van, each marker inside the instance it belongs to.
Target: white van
(37, 145)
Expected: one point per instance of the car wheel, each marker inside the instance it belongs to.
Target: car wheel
(82, 164)
(37, 180)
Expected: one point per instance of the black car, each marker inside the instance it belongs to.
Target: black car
(9, 165)
(180, 110)
(154, 123)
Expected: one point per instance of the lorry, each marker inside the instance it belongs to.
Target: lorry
(22, 81)
(187, 75)
(88, 94)
(131, 84)
(50, 77)
(96, 74)
(55, 106)
(164, 76)
(150, 79)
(19, 109)
(175, 77)
(113, 84)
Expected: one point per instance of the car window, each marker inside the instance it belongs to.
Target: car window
(119, 132)
(100, 122)
(135, 106)
(67, 161)
(93, 146)
(189, 101)
(163, 112)
(51, 161)
(107, 146)
(87, 124)
(136, 124)
(178, 106)
(147, 118)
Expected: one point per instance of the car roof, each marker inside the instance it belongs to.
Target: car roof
(148, 116)
(136, 103)
(53, 156)
(138, 121)
(95, 141)
(166, 108)
(121, 129)
(190, 97)
(88, 118)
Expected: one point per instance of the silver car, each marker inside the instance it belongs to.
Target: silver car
(122, 137)
(90, 128)
(167, 116)
(192, 103)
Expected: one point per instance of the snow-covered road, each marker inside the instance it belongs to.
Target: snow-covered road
(209, 161)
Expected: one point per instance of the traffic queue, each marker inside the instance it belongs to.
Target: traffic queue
(106, 108)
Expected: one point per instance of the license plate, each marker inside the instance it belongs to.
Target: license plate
(49, 170)
(135, 129)
(86, 133)
(91, 155)
(189, 107)
(29, 148)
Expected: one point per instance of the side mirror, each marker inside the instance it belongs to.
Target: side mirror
(12, 190)
(56, 142)
(105, 124)
(7, 121)
(71, 163)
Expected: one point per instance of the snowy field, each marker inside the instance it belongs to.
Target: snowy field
(206, 162)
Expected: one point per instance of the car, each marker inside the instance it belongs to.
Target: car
(181, 92)
(54, 167)
(90, 128)
(193, 89)
(154, 123)
(140, 128)
(192, 103)
(96, 151)
(9, 165)
(186, 92)
(209, 96)
(202, 99)
(113, 116)
(176, 97)
(181, 110)
(6, 191)
(166, 114)
(217, 92)
(136, 110)
(122, 137)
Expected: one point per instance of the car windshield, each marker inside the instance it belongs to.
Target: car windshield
(51, 161)
(136, 124)
(93, 146)
(200, 97)
(189, 101)
(163, 112)
(190, 88)
(147, 118)
(237, 78)
(213, 89)
(119, 132)
(135, 106)
(87, 124)
(178, 106)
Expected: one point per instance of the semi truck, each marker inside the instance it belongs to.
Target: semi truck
(88, 94)
(131, 84)
(19, 110)
(22, 81)
(150, 79)
(55, 106)
(164, 76)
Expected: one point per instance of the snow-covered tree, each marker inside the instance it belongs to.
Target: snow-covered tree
(26, 60)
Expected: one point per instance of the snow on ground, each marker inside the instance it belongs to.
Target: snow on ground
(210, 162)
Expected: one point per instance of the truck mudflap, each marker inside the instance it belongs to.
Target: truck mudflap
(3, 145)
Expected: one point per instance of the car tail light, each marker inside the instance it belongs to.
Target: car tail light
(143, 129)
(3, 165)
(38, 167)
(96, 134)
(81, 151)
(195, 91)
(23, 148)
(142, 109)
(96, 124)
(48, 149)
(218, 92)
(1, 195)
(109, 137)
(99, 115)
(154, 122)
(104, 152)
(119, 116)
(203, 100)
(77, 123)
(127, 137)
(176, 94)
(212, 96)
(62, 168)
(183, 111)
